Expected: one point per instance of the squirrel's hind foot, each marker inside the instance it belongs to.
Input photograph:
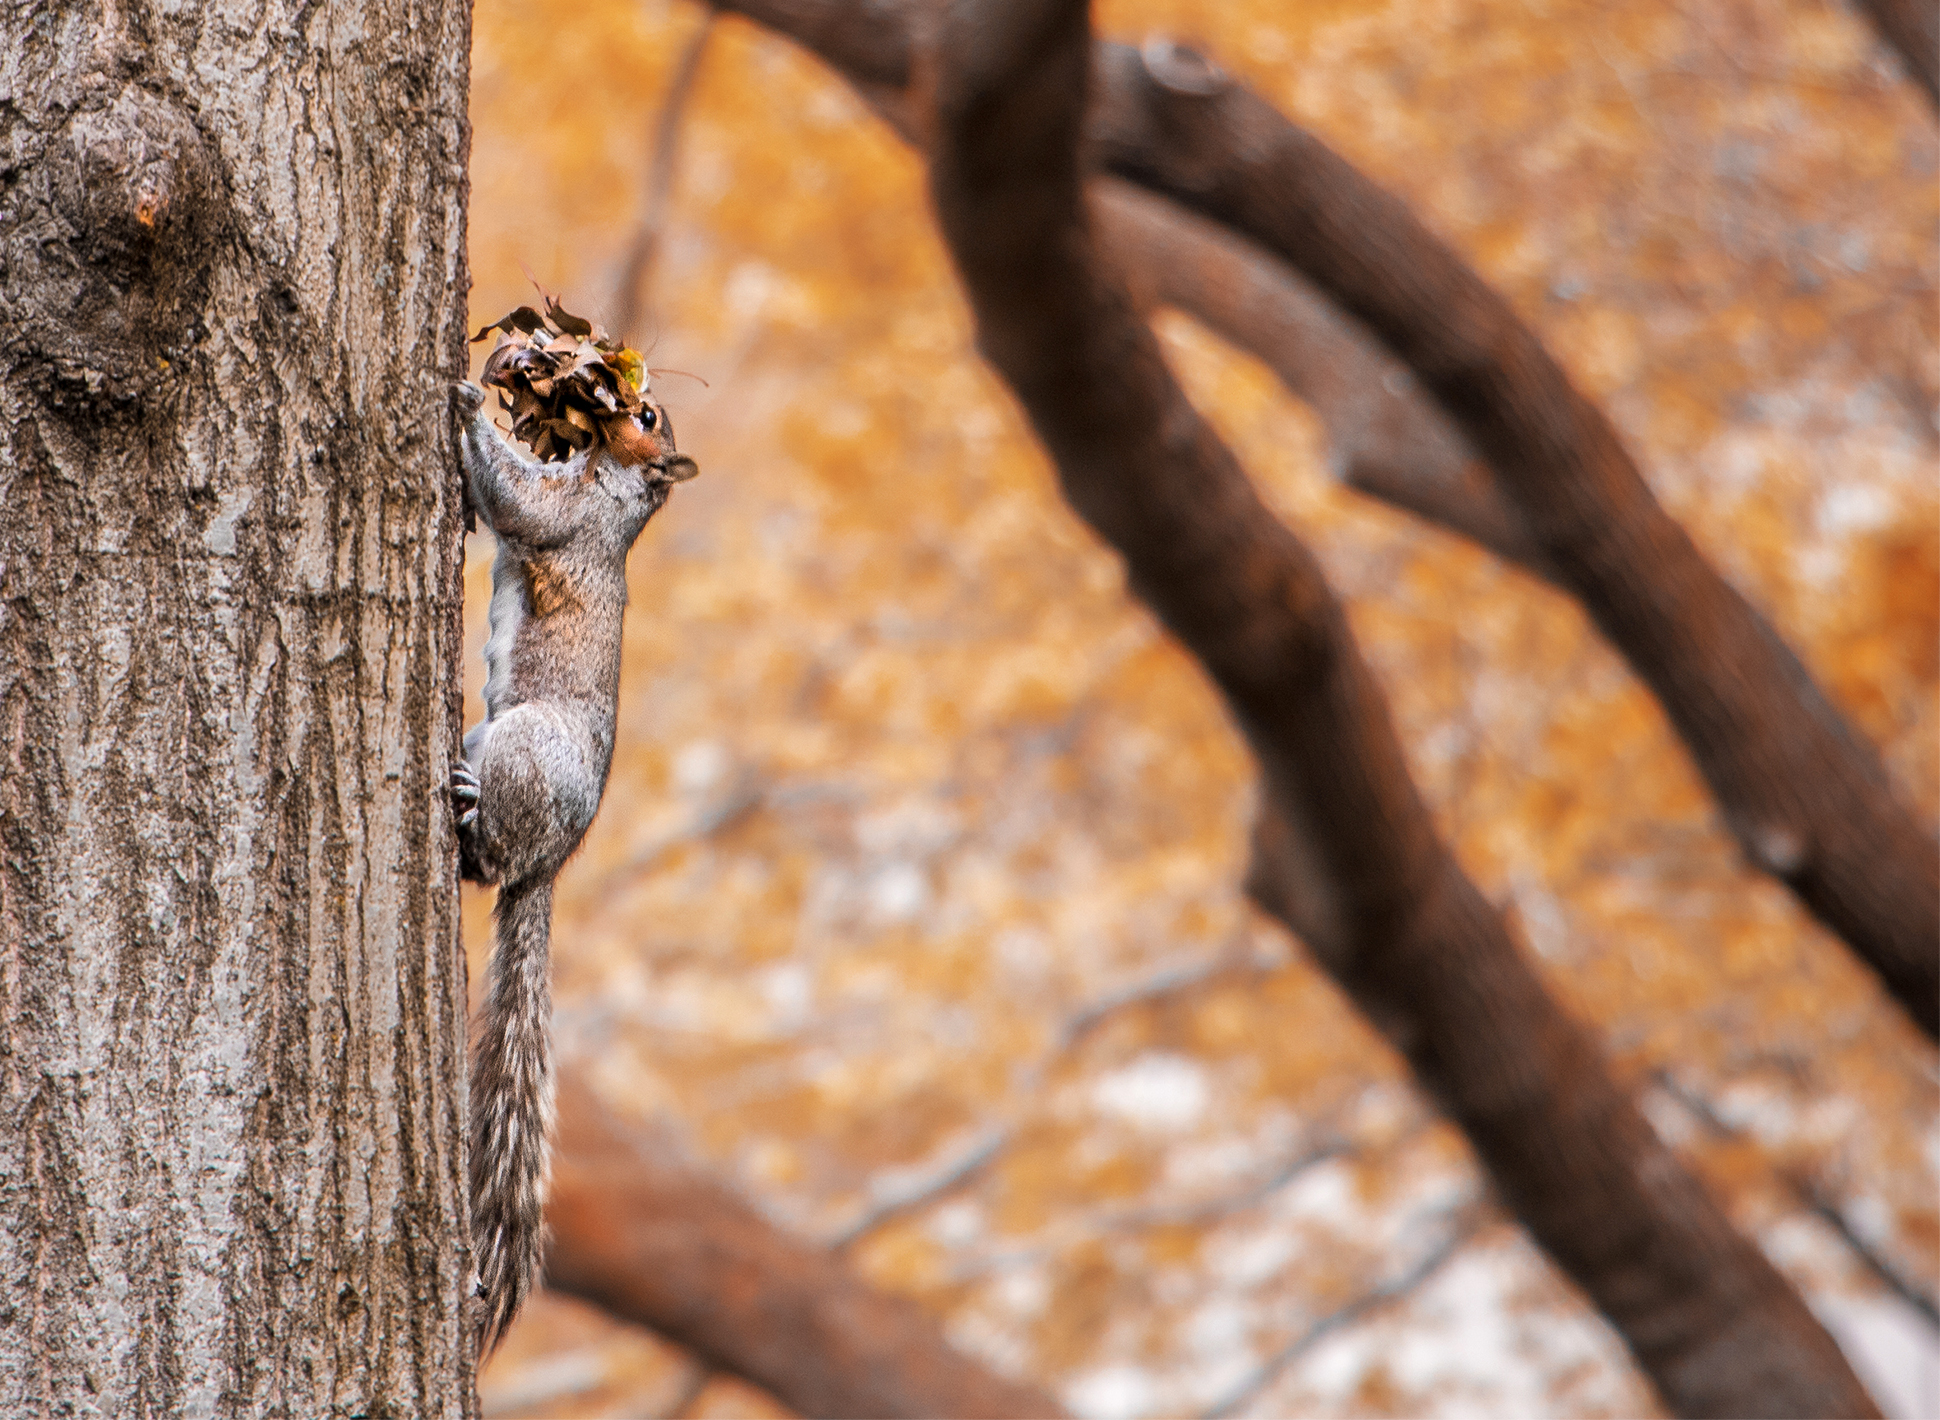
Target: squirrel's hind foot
(473, 864)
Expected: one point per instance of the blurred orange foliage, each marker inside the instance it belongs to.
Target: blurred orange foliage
(905, 780)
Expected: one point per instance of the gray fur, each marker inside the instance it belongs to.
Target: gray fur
(530, 783)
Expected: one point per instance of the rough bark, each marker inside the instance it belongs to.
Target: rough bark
(658, 1242)
(1347, 853)
(231, 994)
(1802, 791)
(1912, 27)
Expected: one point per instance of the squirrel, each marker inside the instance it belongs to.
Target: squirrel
(531, 780)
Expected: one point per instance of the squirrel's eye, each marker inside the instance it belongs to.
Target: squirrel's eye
(649, 417)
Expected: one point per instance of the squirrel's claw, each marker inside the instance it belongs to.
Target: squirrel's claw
(473, 860)
(464, 794)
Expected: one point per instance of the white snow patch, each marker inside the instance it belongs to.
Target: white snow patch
(699, 766)
(1326, 1193)
(1892, 1348)
(898, 891)
(1024, 1293)
(1222, 1161)
(1464, 1333)
(1024, 952)
(1755, 1105)
(750, 287)
(1112, 1393)
(1380, 1114)
(1219, 1327)
(1161, 1093)
(1854, 508)
(789, 993)
(1250, 1260)
(957, 1224)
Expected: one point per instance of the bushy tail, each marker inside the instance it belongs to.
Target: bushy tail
(511, 1100)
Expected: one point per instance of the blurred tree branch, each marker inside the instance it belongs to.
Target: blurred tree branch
(1810, 1192)
(1347, 853)
(630, 303)
(659, 1243)
(1388, 440)
(1804, 793)
(1912, 27)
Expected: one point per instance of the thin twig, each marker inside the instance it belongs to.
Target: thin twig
(1328, 1147)
(1167, 981)
(1827, 1208)
(897, 1200)
(1195, 1213)
(630, 302)
(953, 1173)
(1464, 1222)
(1811, 1194)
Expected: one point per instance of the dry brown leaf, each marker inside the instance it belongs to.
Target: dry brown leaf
(569, 383)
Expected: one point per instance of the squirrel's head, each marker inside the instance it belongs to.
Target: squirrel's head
(641, 464)
(646, 440)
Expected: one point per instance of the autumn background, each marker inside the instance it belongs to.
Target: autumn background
(922, 858)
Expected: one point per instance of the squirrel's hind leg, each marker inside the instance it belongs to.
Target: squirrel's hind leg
(533, 800)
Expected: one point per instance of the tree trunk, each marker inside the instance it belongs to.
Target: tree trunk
(232, 1000)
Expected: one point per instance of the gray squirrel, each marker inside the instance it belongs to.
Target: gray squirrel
(531, 780)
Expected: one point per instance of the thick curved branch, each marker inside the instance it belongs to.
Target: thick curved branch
(1804, 793)
(1348, 853)
(1387, 439)
(659, 1243)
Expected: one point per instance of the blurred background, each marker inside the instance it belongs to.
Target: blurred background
(914, 911)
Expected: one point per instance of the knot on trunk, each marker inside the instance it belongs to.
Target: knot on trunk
(147, 184)
(130, 207)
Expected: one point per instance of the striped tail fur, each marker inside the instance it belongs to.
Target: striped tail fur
(511, 1108)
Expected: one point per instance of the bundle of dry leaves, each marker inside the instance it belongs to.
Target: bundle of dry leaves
(567, 384)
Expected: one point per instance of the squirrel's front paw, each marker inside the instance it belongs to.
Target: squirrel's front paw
(470, 397)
